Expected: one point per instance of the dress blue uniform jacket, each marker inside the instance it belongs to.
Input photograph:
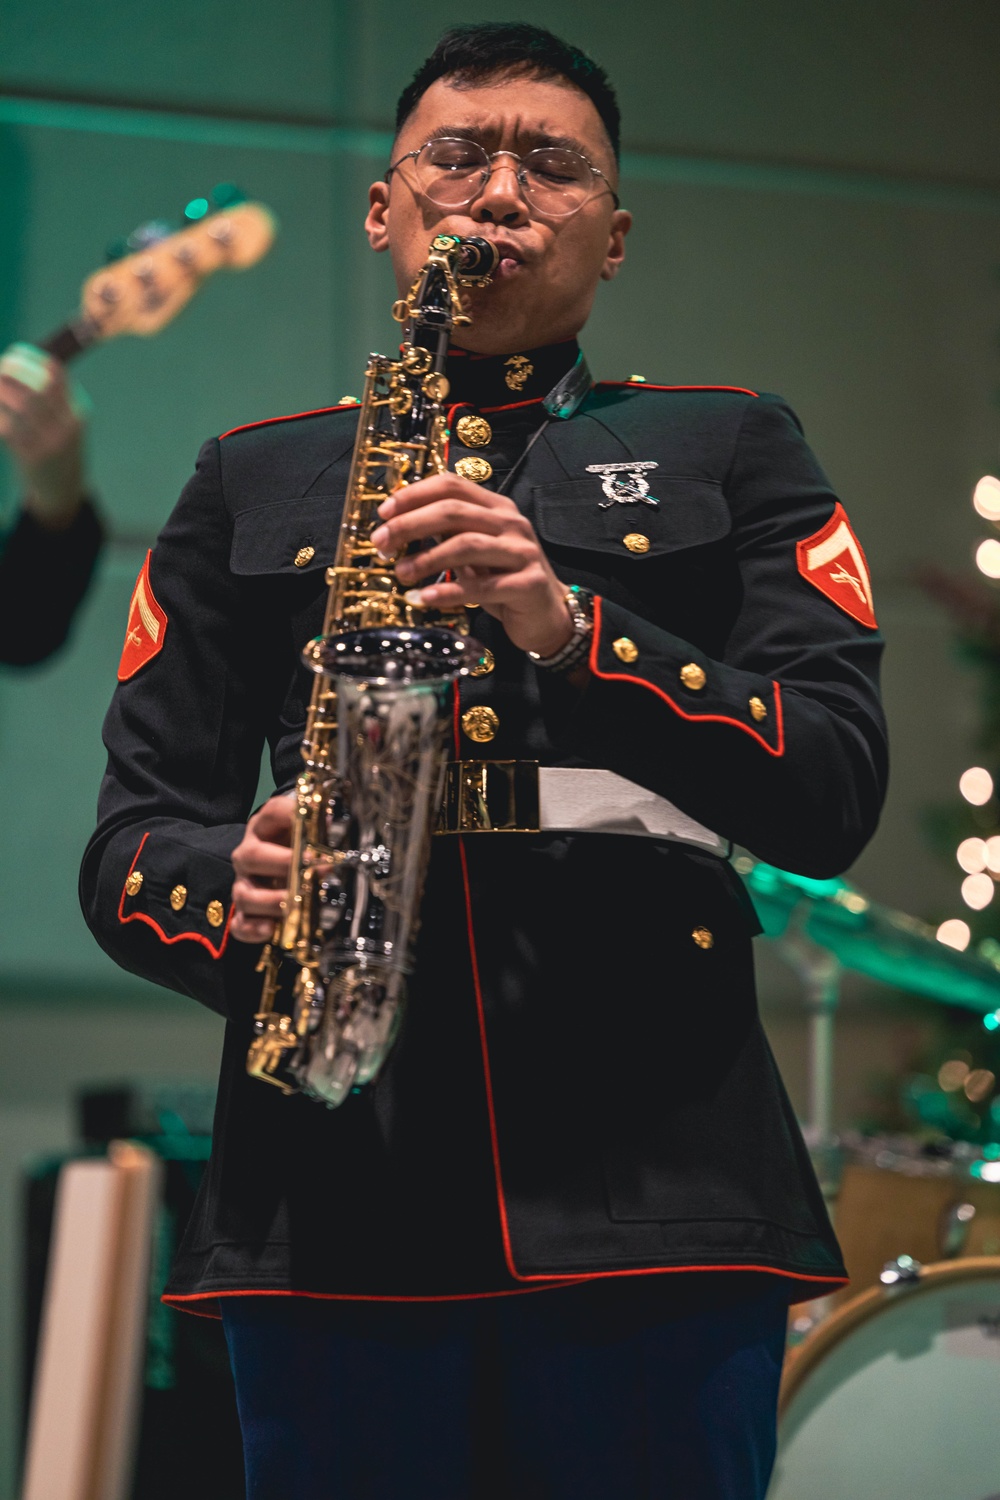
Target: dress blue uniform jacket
(580, 1087)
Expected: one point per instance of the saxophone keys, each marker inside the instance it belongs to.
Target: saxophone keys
(416, 360)
(436, 387)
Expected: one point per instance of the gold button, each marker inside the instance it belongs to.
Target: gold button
(474, 432)
(484, 666)
(758, 709)
(480, 723)
(624, 649)
(304, 555)
(636, 542)
(693, 677)
(178, 896)
(703, 937)
(476, 469)
(216, 913)
(133, 884)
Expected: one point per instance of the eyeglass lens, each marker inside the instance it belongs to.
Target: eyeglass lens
(555, 181)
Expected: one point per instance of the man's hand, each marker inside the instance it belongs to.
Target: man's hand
(43, 428)
(262, 861)
(491, 549)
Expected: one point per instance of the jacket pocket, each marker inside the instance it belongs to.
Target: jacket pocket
(295, 537)
(576, 513)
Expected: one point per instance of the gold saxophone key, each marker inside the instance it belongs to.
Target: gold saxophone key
(436, 387)
(484, 666)
(133, 884)
(178, 896)
(636, 542)
(625, 649)
(304, 555)
(216, 913)
(693, 676)
(758, 709)
(476, 469)
(480, 723)
(474, 432)
(703, 937)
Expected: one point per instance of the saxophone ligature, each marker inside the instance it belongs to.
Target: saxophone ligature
(374, 746)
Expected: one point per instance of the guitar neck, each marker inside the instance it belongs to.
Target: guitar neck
(71, 339)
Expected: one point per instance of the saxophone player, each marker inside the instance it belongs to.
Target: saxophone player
(550, 1251)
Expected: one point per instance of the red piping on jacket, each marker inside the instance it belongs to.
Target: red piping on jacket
(511, 405)
(644, 385)
(180, 1300)
(778, 750)
(192, 937)
(293, 417)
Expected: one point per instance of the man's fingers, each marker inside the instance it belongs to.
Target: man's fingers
(252, 900)
(251, 929)
(272, 823)
(411, 497)
(442, 518)
(466, 551)
(255, 857)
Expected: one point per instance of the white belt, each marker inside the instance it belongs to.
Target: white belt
(508, 796)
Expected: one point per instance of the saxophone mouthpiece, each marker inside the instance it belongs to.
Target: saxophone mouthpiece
(478, 257)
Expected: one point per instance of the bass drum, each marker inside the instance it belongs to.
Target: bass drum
(896, 1395)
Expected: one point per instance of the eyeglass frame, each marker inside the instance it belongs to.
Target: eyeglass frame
(491, 156)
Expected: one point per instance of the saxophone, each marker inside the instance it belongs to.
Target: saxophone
(374, 746)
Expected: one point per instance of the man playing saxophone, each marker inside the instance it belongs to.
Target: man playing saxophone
(549, 1251)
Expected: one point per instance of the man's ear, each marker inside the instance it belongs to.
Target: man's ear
(377, 221)
(621, 223)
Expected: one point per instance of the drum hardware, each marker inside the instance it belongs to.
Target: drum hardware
(955, 1229)
(896, 1275)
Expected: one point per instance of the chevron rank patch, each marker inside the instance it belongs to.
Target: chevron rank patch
(147, 626)
(833, 561)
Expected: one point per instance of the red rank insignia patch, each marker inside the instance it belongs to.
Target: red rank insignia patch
(147, 626)
(833, 561)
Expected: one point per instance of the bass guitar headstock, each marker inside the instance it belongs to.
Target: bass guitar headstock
(160, 271)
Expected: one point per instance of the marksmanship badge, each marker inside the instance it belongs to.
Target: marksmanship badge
(625, 483)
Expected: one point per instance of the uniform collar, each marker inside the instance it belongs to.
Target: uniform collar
(494, 380)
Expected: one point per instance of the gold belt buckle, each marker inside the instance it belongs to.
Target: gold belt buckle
(490, 796)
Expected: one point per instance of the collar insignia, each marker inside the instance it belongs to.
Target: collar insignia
(625, 483)
(517, 369)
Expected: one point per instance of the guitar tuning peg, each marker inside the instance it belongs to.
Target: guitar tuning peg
(149, 234)
(117, 250)
(227, 195)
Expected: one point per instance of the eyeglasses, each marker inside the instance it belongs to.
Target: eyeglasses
(555, 182)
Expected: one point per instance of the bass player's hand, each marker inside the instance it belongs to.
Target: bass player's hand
(42, 425)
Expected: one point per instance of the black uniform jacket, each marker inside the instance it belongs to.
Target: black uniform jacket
(44, 575)
(580, 1086)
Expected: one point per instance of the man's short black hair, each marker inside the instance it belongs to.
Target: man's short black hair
(473, 54)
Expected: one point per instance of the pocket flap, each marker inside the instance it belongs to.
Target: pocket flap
(269, 538)
(688, 513)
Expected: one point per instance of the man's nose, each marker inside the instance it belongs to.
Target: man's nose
(500, 200)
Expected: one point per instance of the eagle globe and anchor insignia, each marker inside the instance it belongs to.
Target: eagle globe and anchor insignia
(625, 483)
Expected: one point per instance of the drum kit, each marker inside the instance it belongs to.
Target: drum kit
(891, 1388)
